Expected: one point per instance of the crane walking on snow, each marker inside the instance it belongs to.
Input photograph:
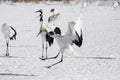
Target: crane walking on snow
(9, 34)
(73, 36)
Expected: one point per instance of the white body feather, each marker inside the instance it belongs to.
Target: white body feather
(7, 31)
(73, 28)
(66, 41)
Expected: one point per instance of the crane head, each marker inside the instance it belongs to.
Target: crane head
(38, 11)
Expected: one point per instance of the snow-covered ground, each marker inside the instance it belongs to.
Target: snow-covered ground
(99, 56)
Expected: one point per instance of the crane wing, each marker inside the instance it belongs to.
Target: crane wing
(52, 18)
(74, 33)
(13, 33)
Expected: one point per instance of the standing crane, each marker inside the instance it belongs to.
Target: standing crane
(9, 34)
(44, 30)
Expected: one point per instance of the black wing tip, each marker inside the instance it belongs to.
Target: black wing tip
(79, 41)
(14, 36)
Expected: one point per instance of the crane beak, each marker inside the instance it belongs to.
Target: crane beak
(42, 31)
(39, 33)
(37, 11)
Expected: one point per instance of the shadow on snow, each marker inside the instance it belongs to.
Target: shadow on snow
(10, 57)
(97, 58)
(11, 74)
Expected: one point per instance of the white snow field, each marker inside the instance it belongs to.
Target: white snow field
(98, 58)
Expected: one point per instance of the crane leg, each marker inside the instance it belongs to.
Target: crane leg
(46, 50)
(7, 50)
(55, 56)
(42, 52)
(55, 63)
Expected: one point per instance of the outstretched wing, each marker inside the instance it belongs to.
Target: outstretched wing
(74, 33)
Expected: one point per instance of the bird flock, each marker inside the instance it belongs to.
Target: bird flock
(74, 35)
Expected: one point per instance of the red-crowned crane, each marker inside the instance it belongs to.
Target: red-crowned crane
(9, 34)
(54, 16)
(73, 36)
(44, 30)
